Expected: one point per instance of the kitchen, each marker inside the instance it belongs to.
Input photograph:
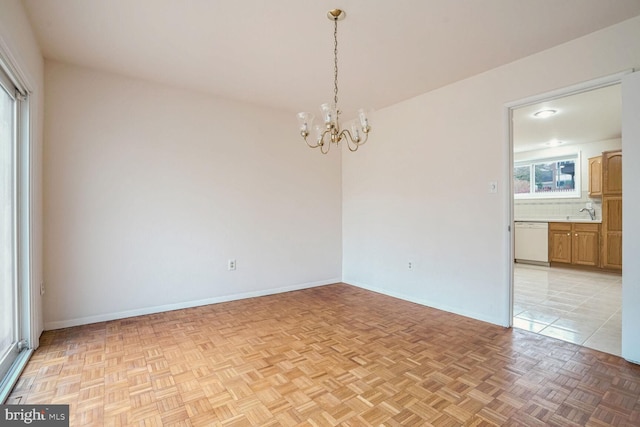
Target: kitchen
(567, 209)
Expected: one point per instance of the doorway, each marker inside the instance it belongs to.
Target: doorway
(552, 139)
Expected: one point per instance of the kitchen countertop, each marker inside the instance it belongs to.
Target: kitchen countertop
(560, 219)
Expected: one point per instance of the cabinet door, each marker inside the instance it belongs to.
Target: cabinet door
(595, 176)
(560, 246)
(612, 172)
(612, 232)
(585, 248)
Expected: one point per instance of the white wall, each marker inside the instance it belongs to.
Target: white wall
(149, 190)
(630, 221)
(17, 39)
(419, 191)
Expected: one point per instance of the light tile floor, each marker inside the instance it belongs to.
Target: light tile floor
(582, 307)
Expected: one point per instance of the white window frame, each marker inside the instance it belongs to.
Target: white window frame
(27, 334)
(576, 193)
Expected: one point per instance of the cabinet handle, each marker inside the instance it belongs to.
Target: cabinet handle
(568, 234)
(576, 234)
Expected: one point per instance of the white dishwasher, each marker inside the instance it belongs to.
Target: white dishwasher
(532, 242)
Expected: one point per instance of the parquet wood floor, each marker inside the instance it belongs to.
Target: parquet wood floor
(327, 356)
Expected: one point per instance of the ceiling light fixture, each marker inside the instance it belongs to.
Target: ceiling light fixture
(330, 132)
(553, 143)
(543, 114)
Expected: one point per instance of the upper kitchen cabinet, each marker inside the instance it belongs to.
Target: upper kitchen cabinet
(595, 176)
(612, 173)
(605, 174)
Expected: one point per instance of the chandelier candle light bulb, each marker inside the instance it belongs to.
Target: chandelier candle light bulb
(359, 132)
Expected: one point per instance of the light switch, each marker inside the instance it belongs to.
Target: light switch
(493, 186)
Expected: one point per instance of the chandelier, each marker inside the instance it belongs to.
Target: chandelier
(330, 131)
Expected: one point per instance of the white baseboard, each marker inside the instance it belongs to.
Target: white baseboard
(427, 303)
(59, 324)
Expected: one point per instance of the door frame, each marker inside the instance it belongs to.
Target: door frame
(508, 172)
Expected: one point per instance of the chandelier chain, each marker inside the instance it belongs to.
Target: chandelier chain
(335, 63)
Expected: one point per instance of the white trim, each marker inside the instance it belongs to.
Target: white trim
(20, 79)
(33, 289)
(425, 302)
(14, 373)
(508, 108)
(630, 225)
(570, 90)
(25, 224)
(59, 324)
(509, 239)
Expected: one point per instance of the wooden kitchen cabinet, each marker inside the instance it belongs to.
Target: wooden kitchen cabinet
(612, 210)
(612, 232)
(612, 173)
(585, 245)
(595, 176)
(574, 243)
(560, 242)
(589, 244)
(605, 174)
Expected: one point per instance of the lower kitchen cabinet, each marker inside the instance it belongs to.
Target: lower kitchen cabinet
(586, 244)
(574, 243)
(612, 233)
(560, 242)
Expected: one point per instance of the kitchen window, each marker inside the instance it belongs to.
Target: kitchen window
(551, 177)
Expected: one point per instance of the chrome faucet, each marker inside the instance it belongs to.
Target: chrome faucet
(592, 212)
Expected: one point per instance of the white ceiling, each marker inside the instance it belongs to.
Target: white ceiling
(279, 53)
(585, 117)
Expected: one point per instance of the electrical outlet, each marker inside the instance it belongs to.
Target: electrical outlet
(231, 265)
(410, 265)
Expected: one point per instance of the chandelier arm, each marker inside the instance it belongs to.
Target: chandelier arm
(320, 142)
(310, 145)
(323, 145)
(347, 136)
(363, 140)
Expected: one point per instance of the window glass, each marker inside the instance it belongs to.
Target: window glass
(547, 178)
(521, 179)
